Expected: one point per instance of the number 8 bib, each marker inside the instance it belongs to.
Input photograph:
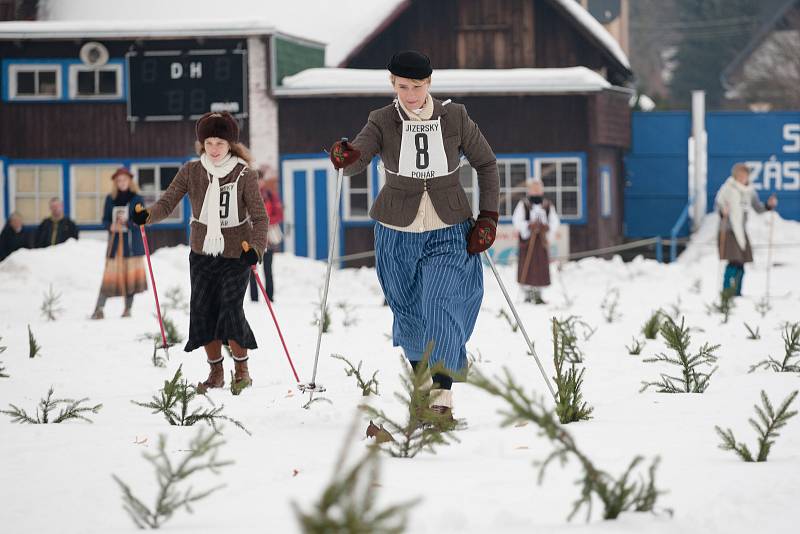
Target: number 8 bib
(422, 152)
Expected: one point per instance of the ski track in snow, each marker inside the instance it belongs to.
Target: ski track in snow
(57, 478)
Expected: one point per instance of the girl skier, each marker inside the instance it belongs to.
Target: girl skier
(124, 274)
(426, 245)
(227, 210)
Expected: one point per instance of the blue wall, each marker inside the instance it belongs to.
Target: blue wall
(657, 165)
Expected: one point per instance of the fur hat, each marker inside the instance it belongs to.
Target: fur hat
(121, 171)
(217, 124)
(410, 64)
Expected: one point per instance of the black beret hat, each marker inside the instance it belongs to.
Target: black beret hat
(217, 124)
(410, 64)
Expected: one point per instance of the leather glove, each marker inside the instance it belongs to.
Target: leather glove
(249, 254)
(343, 154)
(140, 214)
(483, 233)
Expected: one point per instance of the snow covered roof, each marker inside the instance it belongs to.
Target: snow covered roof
(121, 29)
(343, 25)
(334, 81)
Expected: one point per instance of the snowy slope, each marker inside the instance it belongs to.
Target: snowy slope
(57, 478)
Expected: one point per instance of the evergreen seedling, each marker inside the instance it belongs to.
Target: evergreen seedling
(175, 300)
(175, 401)
(697, 286)
(570, 406)
(635, 347)
(34, 349)
(763, 306)
(424, 429)
(725, 304)
(752, 334)
(653, 324)
(767, 426)
(2, 369)
(70, 409)
(326, 319)
(610, 304)
(157, 359)
(511, 322)
(791, 352)
(624, 493)
(568, 337)
(367, 387)
(173, 491)
(348, 503)
(50, 304)
(692, 379)
(347, 311)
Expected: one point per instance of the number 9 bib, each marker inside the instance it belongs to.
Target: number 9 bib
(422, 152)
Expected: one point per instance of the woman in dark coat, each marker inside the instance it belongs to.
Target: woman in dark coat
(13, 236)
(124, 275)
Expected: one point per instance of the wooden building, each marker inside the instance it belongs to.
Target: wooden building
(542, 78)
(81, 98)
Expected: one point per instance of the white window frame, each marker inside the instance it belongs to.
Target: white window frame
(75, 68)
(347, 190)
(16, 68)
(506, 188)
(100, 197)
(136, 167)
(606, 203)
(12, 189)
(559, 189)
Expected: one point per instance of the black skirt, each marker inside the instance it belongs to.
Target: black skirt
(218, 288)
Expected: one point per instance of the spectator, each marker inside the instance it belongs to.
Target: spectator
(13, 236)
(57, 228)
(274, 207)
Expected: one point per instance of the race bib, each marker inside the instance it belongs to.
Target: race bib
(228, 206)
(422, 152)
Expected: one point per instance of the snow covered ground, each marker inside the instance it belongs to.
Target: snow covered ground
(57, 478)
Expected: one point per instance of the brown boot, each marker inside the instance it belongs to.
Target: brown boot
(98, 313)
(216, 377)
(241, 377)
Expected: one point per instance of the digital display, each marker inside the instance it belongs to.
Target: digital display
(178, 85)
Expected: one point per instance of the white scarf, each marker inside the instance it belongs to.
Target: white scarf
(736, 196)
(214, 243)
(422, 114)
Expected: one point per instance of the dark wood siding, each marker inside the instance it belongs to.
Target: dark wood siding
(496, 34)
(610, 119)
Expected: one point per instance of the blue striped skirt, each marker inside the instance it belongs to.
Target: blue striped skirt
(434, 288)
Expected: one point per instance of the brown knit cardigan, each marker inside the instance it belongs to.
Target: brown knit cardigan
(193, 179)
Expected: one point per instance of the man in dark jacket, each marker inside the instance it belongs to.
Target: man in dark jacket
(57, 228)
(12, 237)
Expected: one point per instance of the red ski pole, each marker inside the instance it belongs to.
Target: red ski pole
(246, 247)
(165, 346)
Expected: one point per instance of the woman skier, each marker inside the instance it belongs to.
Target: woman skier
(227, 210)
(426, 245)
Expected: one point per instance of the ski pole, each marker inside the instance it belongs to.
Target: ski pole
(519, 322)
(164, 345)
(246, 247)
(312, 386)
(769, 251)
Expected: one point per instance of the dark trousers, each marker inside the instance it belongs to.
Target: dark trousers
(734, 273)
(269, 284)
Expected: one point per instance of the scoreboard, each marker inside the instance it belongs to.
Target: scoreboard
(177, 85)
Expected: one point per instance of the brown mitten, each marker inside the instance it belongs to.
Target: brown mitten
(483, 233)
(343, 154)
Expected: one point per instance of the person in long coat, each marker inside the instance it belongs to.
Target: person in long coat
(537, 223)
(734, 200)
(124, 273)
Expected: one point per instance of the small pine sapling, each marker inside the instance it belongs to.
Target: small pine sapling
(34, 349)
(636, 346)
(424, 429)
(70, 409)
(175, 400)
(791, 352)
(2, 369)
(511, 322)
(696, 286)
(157, 359)
(568, 337)
(170, 330)
(752, 334)
(171, 475)
(676, 309)
(570, 406)
(692, 379)
(767, 426)
(653, 324)
(621, 494)
(368, 387)
(725, 304)
(175, 300)
(348, 319)
(610, 305)
(326, 319)
(349, 502)
(763, 306)
(50, 304)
